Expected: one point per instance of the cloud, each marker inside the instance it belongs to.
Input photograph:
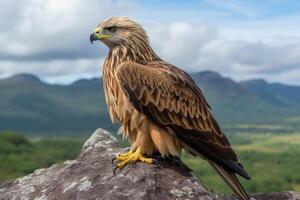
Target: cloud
(200, 47)
(181, 42)
(47, 30)
(55, 68)
(50, 38)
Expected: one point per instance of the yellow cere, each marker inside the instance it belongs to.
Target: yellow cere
(100, 35)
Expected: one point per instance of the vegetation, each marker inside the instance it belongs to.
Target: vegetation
(272, 160)
(20, 156)
(247, 109)
(31, 106)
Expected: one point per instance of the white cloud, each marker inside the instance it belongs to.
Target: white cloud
(50, 39)
(199, 47)
(54, 68)
(47, 29)
(181, 42)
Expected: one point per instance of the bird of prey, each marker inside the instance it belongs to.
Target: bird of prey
(160, 107)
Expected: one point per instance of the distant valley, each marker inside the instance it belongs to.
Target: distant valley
(31, 106)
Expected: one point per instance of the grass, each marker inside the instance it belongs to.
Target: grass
(293, 119)
(20, 156)
(272, 160)
(288, 127)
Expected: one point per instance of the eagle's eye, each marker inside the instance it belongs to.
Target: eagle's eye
(112, 29)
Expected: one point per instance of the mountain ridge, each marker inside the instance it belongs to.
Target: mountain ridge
(274, 93)
(30, 105)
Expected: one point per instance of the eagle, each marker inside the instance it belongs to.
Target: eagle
(159, 106)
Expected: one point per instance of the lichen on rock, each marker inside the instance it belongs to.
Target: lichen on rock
(90, 177)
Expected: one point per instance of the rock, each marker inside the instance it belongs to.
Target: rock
(90, 177)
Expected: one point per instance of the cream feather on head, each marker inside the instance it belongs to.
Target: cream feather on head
(120, 31)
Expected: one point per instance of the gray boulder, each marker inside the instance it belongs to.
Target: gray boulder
(90, 177)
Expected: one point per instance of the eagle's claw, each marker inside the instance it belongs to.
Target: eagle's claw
(116, 168)
(130, 158)
(113, 161)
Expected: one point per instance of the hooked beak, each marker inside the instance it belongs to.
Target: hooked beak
(98, 34)
(93, 37)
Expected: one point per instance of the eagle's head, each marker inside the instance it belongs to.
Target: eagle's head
(117, 31)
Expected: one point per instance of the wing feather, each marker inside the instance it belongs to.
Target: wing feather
(171, 99)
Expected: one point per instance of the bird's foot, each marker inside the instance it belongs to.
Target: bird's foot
(131, 158)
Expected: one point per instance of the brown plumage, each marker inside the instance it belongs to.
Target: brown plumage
(159, 105)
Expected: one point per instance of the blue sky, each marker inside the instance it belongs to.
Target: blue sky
(238, 38)
(237, 10)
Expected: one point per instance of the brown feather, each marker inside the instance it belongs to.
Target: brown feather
(159, 105)
(205, 137)
(231, 179)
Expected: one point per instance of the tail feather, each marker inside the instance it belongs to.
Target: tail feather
(231, 179)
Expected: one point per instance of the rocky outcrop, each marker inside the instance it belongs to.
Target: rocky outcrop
(90, 176)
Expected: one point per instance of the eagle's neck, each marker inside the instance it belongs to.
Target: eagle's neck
(130, 52)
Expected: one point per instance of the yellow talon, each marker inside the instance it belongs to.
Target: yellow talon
(123, 156)
(132, 157)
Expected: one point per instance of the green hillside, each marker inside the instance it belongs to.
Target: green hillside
(31, 106)
(271, 160)
(275, 93)
(241, 108)
(20, 156)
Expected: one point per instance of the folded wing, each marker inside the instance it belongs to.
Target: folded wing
(171, 99)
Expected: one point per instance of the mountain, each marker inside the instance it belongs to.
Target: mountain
(221, 90)
(23, 78)
(30, 105)
(217, 86)
(231, 101)
(274, 93)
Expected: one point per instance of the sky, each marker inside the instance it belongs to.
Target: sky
(241, 39)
